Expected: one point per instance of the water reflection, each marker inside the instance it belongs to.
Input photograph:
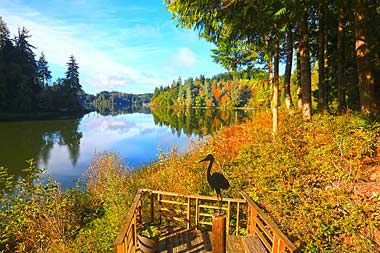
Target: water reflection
(199, 122)
(115, 109)
(65, 147)
(134, 136)
(24, 140)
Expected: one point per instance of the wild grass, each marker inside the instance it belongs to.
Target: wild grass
(318, 180)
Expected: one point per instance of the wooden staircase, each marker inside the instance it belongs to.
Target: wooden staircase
(185, 221)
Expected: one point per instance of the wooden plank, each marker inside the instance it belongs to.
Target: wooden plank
(188, 213)
(173, 202)
(237, 218)
(127, 225)
(263, 239)
(252, 244)
(269, 222)
(194, 196)
(234, 244)
(264, 229)
(228, 217)
(212, 207)
(205, 223)
(219, 234)
(206, 214)
(196, 213)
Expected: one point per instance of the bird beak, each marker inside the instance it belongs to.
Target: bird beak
(205, 159)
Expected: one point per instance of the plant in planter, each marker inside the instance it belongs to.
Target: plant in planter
(148, 237)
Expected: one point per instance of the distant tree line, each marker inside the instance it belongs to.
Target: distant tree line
(231, 89)
(25, 83)
(109, 102)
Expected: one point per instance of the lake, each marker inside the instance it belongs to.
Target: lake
(65, 147)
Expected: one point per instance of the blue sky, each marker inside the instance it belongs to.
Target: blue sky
(122, 45)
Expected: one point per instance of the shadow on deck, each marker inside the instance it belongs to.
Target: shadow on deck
(185, 240)
(193, 241)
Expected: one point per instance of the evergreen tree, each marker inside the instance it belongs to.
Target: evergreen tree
(6, 47)
(71, 86)
(22, 86)
(43, 72)
(72, 76)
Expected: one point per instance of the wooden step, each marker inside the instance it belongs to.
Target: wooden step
(234, 244)
(252, 244)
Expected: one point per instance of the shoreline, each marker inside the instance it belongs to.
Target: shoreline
(4, 117)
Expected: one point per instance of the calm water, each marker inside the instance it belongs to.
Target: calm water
(66, 147)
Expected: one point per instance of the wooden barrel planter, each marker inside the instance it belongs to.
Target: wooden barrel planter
(148, 245)
(148, 237)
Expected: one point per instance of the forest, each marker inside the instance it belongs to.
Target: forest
(25, 83)
(114, 102)
(335, 39)
(230, 89)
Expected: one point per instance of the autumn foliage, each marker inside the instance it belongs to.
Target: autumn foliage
(319, 181)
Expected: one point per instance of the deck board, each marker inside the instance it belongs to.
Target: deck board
(179, 240)
(252, 244)
(234, 244)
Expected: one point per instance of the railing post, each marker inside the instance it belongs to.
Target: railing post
(251, 220)
(151, 207)
(219, 234)
(228, 217)
(237, 218)
(278, 245)
(197, 213)
(188, 212)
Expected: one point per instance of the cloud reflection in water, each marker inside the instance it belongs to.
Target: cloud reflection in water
(134, 136)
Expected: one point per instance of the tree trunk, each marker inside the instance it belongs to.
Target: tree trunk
(305, 70)
(366, 78)
(288, 69)
(299, 86)
(326, 67)
(275, 85)
(321, 59)
(341, 61)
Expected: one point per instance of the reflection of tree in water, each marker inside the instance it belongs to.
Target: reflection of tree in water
(24, 140)
(119, 109)
(200, 122)
(70, 137)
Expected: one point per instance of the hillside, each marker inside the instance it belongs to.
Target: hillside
(318, 180)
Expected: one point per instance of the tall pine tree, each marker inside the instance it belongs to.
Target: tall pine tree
(43, 72)
(5, 49)
(22, 86)
(72, 76)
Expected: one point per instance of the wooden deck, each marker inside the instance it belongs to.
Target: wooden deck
(179, 240)
(183, 217)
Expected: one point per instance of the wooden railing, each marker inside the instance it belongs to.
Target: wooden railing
(261, 225)
(126, 241)
(195, 212)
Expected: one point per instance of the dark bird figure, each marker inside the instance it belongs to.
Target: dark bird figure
(217, 181)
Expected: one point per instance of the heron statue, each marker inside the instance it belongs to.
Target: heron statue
(216, 180)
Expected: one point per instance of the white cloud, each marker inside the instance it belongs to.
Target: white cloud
(185, 58)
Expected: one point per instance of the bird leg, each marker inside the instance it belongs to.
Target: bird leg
(219, 196)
